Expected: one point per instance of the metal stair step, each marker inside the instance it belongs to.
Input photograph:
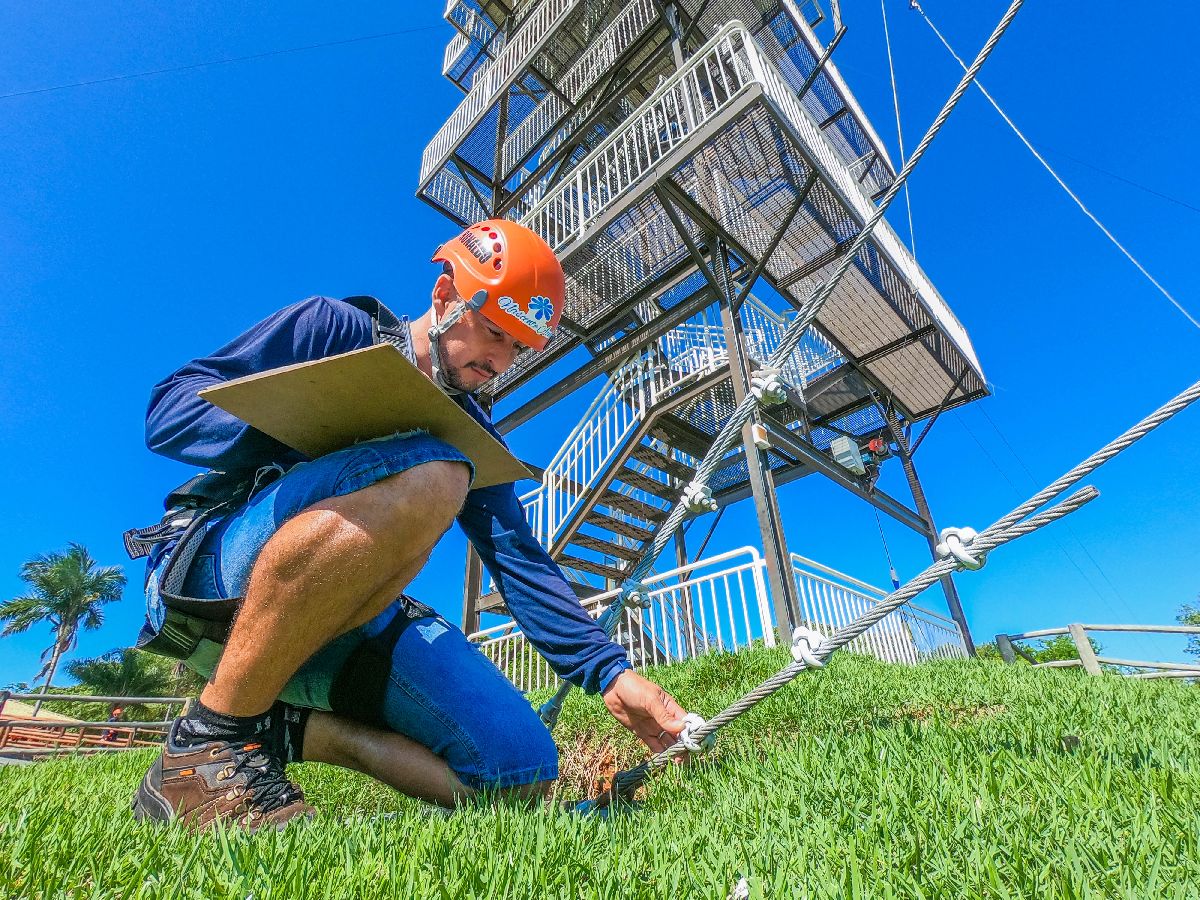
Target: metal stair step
(663, 463)
(605, 547)
(617, 526)
(636, 479)
(587, 565)
(612, 499)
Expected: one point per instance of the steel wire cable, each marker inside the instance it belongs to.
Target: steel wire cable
(1022, 520)
(1070, 193)
(727, 436)
(791, 338)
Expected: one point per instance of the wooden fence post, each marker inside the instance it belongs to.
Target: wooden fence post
(1087, 656)
(1004, 645)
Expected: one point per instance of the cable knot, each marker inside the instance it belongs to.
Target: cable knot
(766, 384)
(957, 542)
(806, 642)
(698, 498)
(691, 724)
(635, 595)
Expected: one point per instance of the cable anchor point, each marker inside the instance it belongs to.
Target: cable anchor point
(767, 386)
(956, 542)
(635, 595)
(806, 643)
(698, 498)
(691, 724)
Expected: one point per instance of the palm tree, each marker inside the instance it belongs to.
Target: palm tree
(68, 591)
(133, 673)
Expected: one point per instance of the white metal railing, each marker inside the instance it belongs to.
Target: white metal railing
(596, 59)
(722, 604)
(487, 86)
(729, 64)
(602, 432)
(764, 329)
(690, 350)
(830, 600)
(457, 47)
(718, 603)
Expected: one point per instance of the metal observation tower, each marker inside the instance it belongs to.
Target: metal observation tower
(699, 166)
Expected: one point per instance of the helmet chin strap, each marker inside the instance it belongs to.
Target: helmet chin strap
(439, 327)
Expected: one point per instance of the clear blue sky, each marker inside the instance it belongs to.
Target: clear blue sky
(145, 221)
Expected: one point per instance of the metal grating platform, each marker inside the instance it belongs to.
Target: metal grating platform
(726, 137)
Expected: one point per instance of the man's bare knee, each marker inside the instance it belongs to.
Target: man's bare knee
(446, 484)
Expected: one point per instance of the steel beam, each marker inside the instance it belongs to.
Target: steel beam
(472, 589)
(949, 588)
(796, 446)
(762, 484)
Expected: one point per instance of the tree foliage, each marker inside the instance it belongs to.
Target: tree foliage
(1189, 614)
(134, 673)
(68, 591)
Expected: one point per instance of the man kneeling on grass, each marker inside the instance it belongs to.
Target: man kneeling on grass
(322, 661)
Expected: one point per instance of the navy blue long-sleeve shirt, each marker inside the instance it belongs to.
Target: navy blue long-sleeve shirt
(182, 426)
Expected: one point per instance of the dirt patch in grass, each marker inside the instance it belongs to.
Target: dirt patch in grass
(587, 764)
(955, 714)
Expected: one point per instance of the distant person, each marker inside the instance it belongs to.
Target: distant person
(327, 659)
(114, 715)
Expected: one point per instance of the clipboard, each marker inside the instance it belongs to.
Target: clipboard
(327, 404)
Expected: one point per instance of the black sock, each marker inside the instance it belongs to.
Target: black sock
(289, 730)
(202, 725)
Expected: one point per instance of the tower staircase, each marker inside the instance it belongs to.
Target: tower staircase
(614, 479)
(677, 155)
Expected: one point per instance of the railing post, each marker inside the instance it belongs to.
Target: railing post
(1004, 645)
(1087, 656)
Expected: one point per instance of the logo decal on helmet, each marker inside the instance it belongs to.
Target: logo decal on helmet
(477, 248)
(541, 307)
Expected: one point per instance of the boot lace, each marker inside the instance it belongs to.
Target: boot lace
(267, 786)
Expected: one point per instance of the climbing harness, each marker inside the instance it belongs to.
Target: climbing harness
(193, 507)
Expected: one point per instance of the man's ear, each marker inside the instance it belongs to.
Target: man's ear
(443, 293)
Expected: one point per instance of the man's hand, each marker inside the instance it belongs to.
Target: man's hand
(645, 709)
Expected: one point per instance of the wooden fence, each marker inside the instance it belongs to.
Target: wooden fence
(1089, 660)
(38, 736)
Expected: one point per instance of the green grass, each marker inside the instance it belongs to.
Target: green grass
(952, 779)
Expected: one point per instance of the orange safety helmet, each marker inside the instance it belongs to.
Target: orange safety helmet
(509, 274)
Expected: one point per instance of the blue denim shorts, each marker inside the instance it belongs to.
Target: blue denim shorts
(408, 670)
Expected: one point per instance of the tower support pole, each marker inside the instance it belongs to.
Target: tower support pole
(472, 589)
(762, 483)
(949, 588)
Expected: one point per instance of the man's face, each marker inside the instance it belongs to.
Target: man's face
(474, 350)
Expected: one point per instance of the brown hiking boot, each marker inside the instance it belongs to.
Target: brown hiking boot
(242, 782)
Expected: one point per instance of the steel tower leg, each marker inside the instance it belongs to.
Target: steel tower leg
(762, 483)
(949, 588)
(472, 589)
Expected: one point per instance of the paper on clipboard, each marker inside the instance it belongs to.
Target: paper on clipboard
(327, 404)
